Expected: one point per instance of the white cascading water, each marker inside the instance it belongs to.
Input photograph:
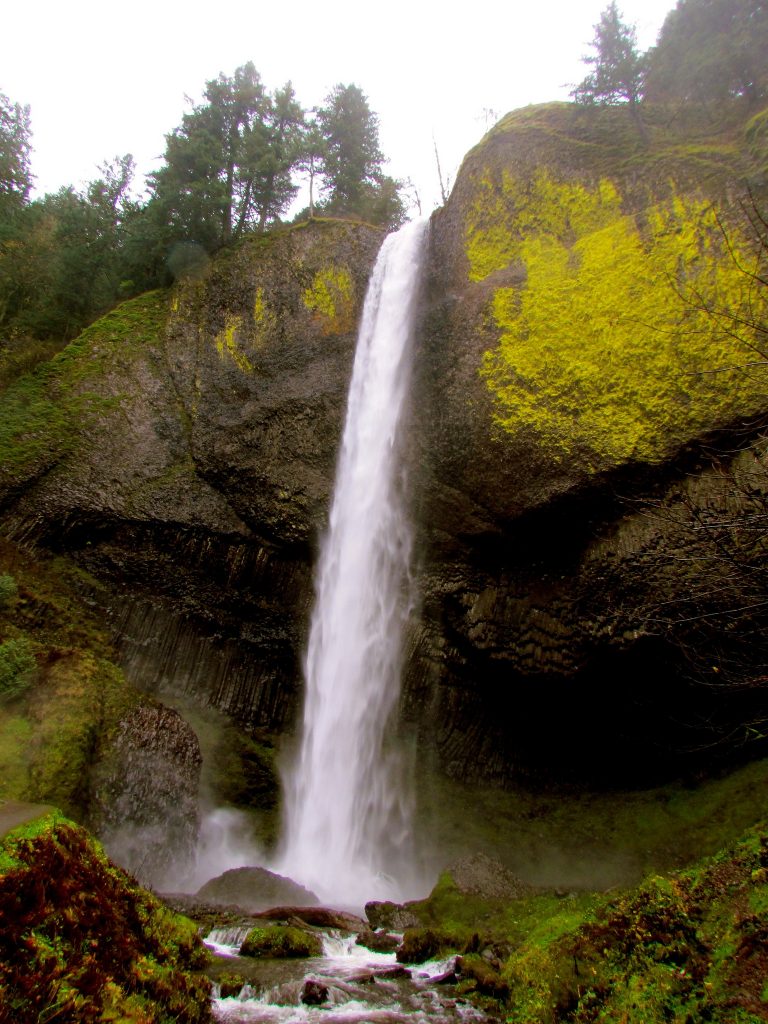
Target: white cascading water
(346, 821)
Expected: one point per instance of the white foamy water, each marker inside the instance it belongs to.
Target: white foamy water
(346, 814)
(351, 996)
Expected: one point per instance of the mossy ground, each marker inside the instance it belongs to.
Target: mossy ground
(53, 732)
(45, 414)
(608, 857)
(686, 947)
(81, 942)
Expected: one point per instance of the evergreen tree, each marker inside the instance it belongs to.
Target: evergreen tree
(15, 148)
(618, 68)
(15, 186)
(311, 158)
(228, 165)
(272, 187)
(711, 51)
(352, 157)
(62, 267)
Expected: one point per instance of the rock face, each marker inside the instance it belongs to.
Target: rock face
(148, 795)
(555, 348)
(486, 877)
(184, 447)
(563, 383)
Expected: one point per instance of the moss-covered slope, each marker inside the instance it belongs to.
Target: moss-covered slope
(684, 947)
(81, 942)
(56, 727)
(689, 947)
(73, 732)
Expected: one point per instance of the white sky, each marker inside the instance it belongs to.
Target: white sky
(104, 79)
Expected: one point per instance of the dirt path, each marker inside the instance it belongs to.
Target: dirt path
(14, 813)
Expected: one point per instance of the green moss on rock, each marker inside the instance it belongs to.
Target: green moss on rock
(54, 731)
(278, 941)
(421, 944)
(331, 297)
(228, 346)
(82, 942)
(682, 948)
(46, 414)
(756, 134)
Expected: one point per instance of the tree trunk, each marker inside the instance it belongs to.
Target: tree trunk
(226, 213)
(634, 110)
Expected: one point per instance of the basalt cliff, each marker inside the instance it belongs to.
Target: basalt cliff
(584, 453)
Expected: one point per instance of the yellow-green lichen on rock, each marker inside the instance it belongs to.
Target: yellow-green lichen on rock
(614, 346)
(228, 344)
(331, 297)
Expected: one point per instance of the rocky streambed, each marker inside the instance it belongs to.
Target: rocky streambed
(312, 963)
(346, 981)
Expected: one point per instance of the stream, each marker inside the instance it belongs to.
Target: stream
(349, 982)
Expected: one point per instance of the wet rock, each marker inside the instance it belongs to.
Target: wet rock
(147, 789)
(379, 941)
(392, 973)
(486, 877)
(313, 993)
(279, 941)
(487, 980)
(317, 917)
(254, 889)
(395, 917)
(420, 944)
(230, 985)
(447, 978)
(364, 978)
(207, 915)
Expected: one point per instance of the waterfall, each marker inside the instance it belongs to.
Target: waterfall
(346, 823)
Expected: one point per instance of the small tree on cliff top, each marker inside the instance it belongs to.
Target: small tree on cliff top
(618, 73)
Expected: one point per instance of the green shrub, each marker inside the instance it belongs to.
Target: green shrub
(17, 665)
(8, 590)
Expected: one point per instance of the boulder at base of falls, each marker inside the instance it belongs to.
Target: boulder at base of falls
(254, 889)
(394, 917)
(276, 941)
(487, 980)
(380, 941)
(486, 877)
(147, 786)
